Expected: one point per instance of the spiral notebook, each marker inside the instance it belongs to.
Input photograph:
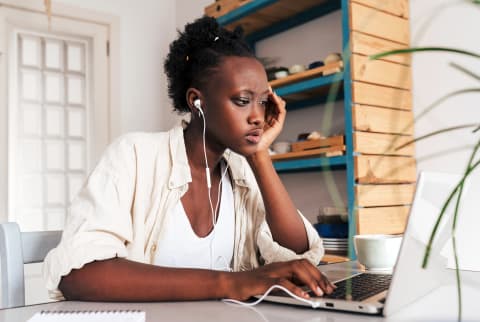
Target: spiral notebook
(90, 316)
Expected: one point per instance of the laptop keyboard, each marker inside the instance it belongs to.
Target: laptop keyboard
(360, 287)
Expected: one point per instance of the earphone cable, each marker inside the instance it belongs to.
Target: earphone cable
(207, 173)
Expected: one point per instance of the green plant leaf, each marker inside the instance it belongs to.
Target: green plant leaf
(420, 49)
(448, 129)
(465, 70)
(459, 187)
(442, 212)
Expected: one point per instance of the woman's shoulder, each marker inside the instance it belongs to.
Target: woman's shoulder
(141, 140)
(134, 146)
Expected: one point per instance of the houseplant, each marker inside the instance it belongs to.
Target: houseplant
(455, 197)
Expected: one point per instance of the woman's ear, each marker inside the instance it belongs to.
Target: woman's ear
(192, 95)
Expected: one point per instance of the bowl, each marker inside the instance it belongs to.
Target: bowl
(315, 64)
(281, 147)
(331, 58)
(281, 74)
(377, 251)
(296, 69)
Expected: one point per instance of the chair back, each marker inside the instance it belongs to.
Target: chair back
(16, 249)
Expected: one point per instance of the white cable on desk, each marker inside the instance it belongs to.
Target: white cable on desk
(312, 303)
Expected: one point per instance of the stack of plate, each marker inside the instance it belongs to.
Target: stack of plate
(337, 246)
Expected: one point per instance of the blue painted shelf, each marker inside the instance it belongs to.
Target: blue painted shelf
(309, 84)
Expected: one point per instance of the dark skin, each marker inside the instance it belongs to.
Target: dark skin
(234, 101)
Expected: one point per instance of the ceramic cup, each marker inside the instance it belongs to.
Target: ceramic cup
(281, 147)
(377, 252)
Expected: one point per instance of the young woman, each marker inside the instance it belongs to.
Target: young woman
(153, 224)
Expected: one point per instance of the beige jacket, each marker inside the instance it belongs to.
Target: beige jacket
(120, 210)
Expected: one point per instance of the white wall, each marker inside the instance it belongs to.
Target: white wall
(187, 11)
(450, 23)
(146, 29)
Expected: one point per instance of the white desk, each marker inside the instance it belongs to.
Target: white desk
(439, 305)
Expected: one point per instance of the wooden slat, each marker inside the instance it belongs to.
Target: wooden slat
(222, 7)
(395, 7)
(369, 94)
(369, 45)
(384, 169)
(379, 143)
(278, 11)
(382, 120)
(332, 259)
(313, 144)
(384, 195)
(382, 220)
(380, 72)
(377, 23)
(307, 153)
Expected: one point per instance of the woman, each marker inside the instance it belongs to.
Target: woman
(180, 215)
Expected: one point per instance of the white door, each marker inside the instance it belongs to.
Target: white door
(55, 122)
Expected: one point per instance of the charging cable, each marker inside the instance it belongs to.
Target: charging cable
(313, 304)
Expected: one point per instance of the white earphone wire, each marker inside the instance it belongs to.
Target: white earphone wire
(209, 184)
(276, 286)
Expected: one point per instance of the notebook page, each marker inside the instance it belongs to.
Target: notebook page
(89, 316)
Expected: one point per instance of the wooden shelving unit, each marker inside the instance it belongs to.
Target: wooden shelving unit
(380, 177)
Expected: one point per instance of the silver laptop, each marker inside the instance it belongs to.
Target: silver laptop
(385, 293)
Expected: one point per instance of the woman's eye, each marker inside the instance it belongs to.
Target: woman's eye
(242, 101)
(264, 103)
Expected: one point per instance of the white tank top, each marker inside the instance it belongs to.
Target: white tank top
(179, 246)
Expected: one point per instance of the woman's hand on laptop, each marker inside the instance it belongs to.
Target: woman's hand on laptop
(291, 275)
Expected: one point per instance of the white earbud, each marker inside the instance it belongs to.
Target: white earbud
(198, 106)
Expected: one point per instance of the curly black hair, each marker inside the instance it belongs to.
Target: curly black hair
(195, 55)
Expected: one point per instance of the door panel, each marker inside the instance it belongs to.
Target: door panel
(58, 114)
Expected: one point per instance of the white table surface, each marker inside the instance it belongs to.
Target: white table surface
(439, 305)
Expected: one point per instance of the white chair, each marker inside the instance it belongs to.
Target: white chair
(16, 249)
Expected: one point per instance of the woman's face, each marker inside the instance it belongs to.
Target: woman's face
(234, 101)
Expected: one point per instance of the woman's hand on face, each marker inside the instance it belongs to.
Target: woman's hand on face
(274, 118)
(291, 275)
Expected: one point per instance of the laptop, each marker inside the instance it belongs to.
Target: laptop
(386, 292)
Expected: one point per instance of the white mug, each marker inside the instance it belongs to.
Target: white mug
(376, 251)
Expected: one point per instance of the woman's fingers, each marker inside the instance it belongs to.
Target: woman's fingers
(291, 275)
(298, 291)
(277, 109)
(310, 275)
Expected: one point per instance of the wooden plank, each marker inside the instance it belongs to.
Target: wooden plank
(380, 24)
(382, 120)
(305, 75)
(384, 169)
(332, 259)
(278, 11)
(380, 143)
(382, 220)
(384, 195)
(313, 144)
(369, 45)
(305, 154)
(380, 72)
(222, 7)
(369, 94)
(396, 7)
